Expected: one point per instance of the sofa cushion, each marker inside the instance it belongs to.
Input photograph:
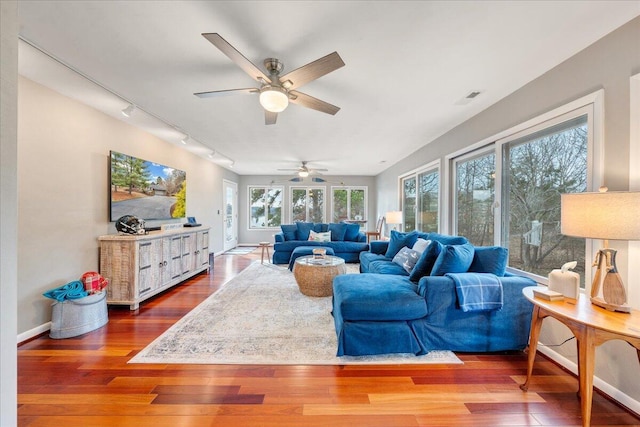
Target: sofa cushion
(319, 237)
(290, 231)
(490, 259)
(377, 297)
(303, 230)
(353, 230)
(424, 265)
(367, 258)
(338, 230)
(386, 266)
(399, 240)
(453, 259)
(406, 258)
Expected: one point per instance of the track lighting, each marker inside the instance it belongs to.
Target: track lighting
(129, 110)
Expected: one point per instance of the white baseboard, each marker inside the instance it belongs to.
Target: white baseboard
(601, 385)
(27, 335)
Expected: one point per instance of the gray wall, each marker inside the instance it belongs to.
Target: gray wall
(608, 64)
(8, 210)
(246, 236)
(63, 161)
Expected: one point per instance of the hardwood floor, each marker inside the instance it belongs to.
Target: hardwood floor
(86, 381)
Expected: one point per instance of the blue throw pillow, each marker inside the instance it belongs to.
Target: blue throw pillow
(446, 239)
(425, 262)
(398, 241)
(453, 259)
(338, 230)
(490, 259)
(352, 232)
(290, 232)
(406, 258)
(303, 230)
(320, 227)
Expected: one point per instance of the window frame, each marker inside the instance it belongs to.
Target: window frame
(432, 167)
(266, 188)
(592, 105)
(307, 189)
(333, 188)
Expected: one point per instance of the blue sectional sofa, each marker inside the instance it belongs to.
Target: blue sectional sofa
(346, 240)
(388, 309)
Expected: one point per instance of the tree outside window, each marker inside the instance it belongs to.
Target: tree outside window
(474, 199)
(265, 204)
(307, 204)
(420, 204)
(349, 203)
(538, 169)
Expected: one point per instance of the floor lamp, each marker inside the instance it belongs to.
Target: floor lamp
(394, 218)
(607, 216)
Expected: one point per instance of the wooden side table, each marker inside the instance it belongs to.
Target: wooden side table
(591, 326)
(264, 247)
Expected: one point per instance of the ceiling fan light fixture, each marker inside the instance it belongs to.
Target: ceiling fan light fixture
(303, 174)
(274, 99)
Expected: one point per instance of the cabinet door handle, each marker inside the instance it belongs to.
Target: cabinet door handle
(165, 263)
(160, 265)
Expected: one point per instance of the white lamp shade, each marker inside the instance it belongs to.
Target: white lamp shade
(394, 217)
(608, 216)
(274, 99)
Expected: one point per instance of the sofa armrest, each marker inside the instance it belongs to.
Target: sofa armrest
(279, 237)
(378, 246)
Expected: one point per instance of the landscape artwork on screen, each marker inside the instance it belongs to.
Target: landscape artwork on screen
(145, 189)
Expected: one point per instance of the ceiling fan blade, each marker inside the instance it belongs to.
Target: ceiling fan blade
(312, 71)
(310, 102)
(289, 170)
(318, 170)
(270, 118)
(218, 93)
(246, 65)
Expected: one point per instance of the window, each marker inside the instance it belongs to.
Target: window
(307, 204)
(420, 195)
(536, 169)
(506, 190)
(349, 203)
(265, 204)
(474, 196)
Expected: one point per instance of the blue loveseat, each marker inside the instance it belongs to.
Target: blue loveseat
(346, 240)
(390, 310)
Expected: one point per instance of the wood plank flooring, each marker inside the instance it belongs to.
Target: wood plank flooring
(85, 381)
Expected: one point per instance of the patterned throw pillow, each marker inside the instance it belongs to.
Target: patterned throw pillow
(319, 237)
(406, 258)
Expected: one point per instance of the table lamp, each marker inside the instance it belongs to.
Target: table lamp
(607, 216)
(393, 218)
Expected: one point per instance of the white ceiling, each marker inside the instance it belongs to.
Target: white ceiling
(408, 66)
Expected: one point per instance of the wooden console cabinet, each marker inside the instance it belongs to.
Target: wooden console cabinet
(139, 267)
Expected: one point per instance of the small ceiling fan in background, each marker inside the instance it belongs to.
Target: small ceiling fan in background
(277, 91)
(304, 171)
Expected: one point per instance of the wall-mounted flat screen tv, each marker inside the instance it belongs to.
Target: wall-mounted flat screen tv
(145, 189)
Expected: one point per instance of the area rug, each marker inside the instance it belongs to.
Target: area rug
(241, 250)
(260, 317)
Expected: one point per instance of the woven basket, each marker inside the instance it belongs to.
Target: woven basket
(316, 280)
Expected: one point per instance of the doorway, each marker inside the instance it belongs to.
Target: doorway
(230, 219)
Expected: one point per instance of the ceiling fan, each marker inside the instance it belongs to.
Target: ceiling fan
(304, 171)
(277, 91)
